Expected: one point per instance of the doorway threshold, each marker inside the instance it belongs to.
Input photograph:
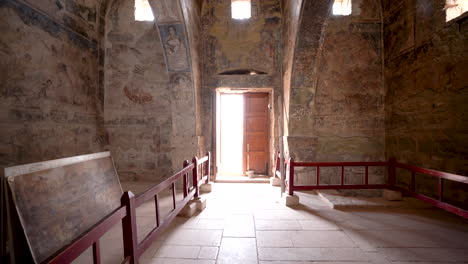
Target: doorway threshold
(242, 179)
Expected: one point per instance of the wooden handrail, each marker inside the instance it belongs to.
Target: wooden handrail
(340, 164)
(127, 214)
(77, 247)
(150, 193)
(391, 164)
(435, 173)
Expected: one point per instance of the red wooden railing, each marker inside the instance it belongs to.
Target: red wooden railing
(391, 166)
(200, 170)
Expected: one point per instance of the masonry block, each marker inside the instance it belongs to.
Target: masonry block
(290, 200)
(275, 181)
(200, 203)
(392, 195)
(206, 188)
(189, 210)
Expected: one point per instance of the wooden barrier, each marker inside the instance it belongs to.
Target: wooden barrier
(391, 166)
(125, 211)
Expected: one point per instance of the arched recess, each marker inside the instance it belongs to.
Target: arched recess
(151, 103)
(336, 108)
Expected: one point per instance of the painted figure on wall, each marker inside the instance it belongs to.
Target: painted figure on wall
(175, 47)
(173, 42)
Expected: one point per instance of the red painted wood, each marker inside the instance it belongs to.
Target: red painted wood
(441, 189)
(208, 179)
(392, 171)
(202, 160)
(156, 207)
(185, 179)
(149, 194)
(173, 195)
(75, 249)
(434, 202)
(96, 253)
(413, 181)
(153, 234)
(291, 176)
(126, 214)
(342, 175)
(129, 228)
(195, 175)
(339, 164)
(366, 177)
(340, 187)
(318, 175)
(392, 165)
(440, 174)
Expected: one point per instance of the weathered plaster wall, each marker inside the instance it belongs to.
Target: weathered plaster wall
(426, 81)
(192, 16)
(230, 44)
(149, 112)
(48, 80)
(290, 24)
(337, 94)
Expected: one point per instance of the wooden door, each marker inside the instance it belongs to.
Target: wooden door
(256, 132)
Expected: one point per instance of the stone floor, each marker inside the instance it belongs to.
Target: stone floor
(246, 223)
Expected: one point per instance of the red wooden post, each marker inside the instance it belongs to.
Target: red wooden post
(129, 228)
(291, 176)
(366, 177)
(342, 175)
(96, 253)
(208, 167)
(318, 175)
(174, 196)
(391, 171)
(278, 162)
(195, 176)
(441, 188)
(185, 179)
(156, 207)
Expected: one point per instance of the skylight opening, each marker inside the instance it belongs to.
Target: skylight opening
(241, 9)
(342, 8)
(455, 8)
(143, 11)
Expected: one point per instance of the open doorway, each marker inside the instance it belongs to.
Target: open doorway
(231, 134)
(243, 129)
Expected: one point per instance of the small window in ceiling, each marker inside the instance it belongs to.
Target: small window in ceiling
(342, 8)
(455, 8)
(143, 11)
(241, 9)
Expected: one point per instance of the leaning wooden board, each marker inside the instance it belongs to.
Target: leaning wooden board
(59, 200)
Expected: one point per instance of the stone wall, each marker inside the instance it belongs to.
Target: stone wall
(149, 110)
(426, 81)
(291, 18)
(48, 80)
(192, 16)
(337, 93)
(229, 44)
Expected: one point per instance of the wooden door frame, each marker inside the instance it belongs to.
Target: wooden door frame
(271, 122)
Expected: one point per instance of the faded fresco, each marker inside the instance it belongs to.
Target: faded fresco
(149, 111)
(337, 92)
(175, 47)
(50, 104)
(58, 205)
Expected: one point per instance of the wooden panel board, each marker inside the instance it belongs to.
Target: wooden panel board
(56, 203)
(256, 132)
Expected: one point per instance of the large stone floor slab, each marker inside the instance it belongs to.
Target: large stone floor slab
(246, 223)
